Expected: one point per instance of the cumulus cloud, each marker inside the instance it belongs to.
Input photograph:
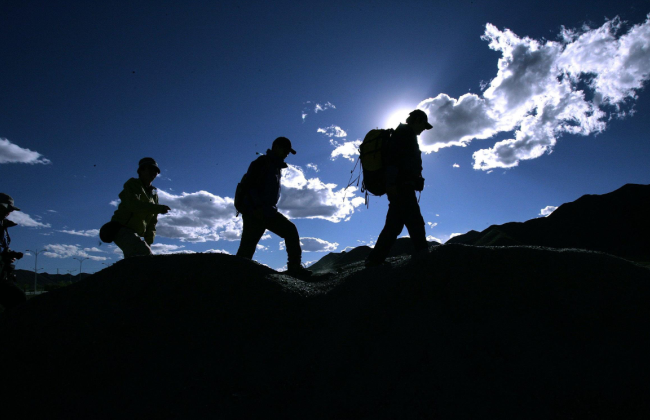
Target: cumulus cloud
(431, 238)
(165, 249)
(71, 251)
(432, 225)
(348, 149)
(453, 235)
(547, 210)
(313, 199)
(198, 217)
(456, 165)
(333, 131)
(91, 233)
(314, 245)
(24, 219)
(261, 247)
(216, 251)
(542, 90)
(11, 153)
(115, 203)
(313, 167)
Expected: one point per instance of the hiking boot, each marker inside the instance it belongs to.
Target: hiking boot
(298, 271)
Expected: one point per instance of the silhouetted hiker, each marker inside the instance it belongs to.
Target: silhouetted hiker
(403, 179)
(260, 192)
(10, 294)
(138, 211)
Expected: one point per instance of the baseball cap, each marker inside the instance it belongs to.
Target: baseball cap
(7, 202)
(148, 162)
(421, 115)
(285, 143)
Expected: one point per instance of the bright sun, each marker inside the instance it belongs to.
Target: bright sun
(397, 117)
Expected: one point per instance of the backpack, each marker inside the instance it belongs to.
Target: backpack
(373, 153)
(243, 188)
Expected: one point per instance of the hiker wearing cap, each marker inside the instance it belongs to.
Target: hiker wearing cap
(403, 179)
(259, 208)
(10, 294)
(138, 211)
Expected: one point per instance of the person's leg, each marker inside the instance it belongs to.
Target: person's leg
(11, 295)
(414, 221)
(286, 230)
(392, 228)
(253, 230)
(131, 244)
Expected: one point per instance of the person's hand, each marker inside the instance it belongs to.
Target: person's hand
(163, 209)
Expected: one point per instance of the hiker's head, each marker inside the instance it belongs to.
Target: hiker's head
(6, 205)
(148, 170)
(282, 147)
(418, 121)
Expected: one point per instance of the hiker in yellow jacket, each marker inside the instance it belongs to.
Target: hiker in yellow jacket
(138, 211)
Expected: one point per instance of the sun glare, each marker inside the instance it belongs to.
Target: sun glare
(397, 117)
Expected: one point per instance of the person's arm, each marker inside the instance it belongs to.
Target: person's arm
(254, 178)
(150, 233)
(129, 197)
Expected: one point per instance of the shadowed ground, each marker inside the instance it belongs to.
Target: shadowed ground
(463, 332)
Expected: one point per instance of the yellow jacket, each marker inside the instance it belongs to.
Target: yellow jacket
(138, 209)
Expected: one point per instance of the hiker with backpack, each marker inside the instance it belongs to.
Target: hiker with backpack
(10, 294)
(256, 199)
(133, 225)
(402, 177)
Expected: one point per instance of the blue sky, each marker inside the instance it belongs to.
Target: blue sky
(533, 104)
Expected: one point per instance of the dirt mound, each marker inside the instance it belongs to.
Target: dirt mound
(464, 332)
(616, 223)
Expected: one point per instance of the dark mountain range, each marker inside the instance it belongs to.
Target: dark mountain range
(462, 332)
(617, 223)
(335, 260)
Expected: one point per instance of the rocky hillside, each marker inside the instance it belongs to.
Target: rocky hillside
(617, 223)
(463, 332)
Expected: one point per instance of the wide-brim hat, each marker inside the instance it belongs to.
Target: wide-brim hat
(148, 162)
(7, 202)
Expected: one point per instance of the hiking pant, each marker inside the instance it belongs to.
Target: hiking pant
(403, 209)
(10, 294)
(131, 244)
(254, 228)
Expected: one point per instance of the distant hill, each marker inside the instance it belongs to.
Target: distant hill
(462, 332)
(335, 260)
(25, 279)
(617, 223)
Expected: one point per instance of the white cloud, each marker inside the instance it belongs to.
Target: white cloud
(547, 210)
(52, 211)
(453, 235)
(114, 202)
(11, 153)
(24, 219)
(456, 165)
(313, 199)
(165, 249)
(315, 108)
(542, 90)
(89, 233)
(348, 149)
(431, 238)
(325, 106)
(71, 251)
(333, 131)
(216, 251)
(313, 167)
(198, 217)
(314, 245)
(262, 247)
(432, 225)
